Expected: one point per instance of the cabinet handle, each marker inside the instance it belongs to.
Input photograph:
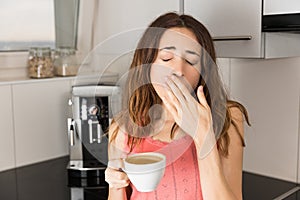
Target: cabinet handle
(232, 38)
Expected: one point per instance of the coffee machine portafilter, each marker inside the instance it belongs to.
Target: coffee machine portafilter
(93, 107)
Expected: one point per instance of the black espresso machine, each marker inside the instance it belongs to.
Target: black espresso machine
(93, 107)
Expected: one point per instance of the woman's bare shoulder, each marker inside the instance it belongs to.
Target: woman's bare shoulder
(236, 114)
(236, 128)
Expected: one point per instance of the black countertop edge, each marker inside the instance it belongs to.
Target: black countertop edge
(263, 187)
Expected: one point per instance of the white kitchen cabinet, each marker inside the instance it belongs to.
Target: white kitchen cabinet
(117, 16)
(228, 20)
(272, 7)
(7, 153)
(271, 96)
(40, 112)
(236, 27)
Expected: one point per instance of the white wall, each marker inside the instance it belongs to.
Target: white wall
(270, 91)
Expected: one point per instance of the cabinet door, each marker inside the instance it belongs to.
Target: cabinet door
(281, 7)
(40, 112)
(118, 16)
(7, 153)
(230, 19)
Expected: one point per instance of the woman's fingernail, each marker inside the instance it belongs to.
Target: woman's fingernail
(201, 88)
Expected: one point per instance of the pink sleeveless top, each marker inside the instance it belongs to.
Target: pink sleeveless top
(181, 179)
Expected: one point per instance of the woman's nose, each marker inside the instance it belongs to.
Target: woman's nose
(178, 66)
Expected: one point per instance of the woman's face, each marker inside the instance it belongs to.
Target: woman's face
(179, 54)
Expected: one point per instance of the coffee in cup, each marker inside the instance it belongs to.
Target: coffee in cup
(145, 170)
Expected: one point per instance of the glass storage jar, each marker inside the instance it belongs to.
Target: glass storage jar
(65, 62)
(40, 63)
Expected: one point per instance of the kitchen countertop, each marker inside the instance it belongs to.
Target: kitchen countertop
(22, 80)
(43, 181)
(257, 187)
(48, 180)
(90, 78)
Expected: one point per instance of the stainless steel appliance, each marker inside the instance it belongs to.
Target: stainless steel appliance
(93, 107)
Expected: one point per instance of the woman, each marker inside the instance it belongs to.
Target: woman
(202, 170)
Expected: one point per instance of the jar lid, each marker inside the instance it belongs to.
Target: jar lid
(65, 51)
(32, 51)
(43, 51)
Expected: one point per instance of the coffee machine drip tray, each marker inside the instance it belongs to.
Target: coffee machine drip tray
(86, 174)
(85, 166)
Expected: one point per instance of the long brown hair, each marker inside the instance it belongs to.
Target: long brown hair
(144, 96)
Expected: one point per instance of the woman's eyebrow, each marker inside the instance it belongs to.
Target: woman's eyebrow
(168, 48)
(174, 48)
(192, 52)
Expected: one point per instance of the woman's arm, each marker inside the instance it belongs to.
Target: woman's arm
(233, 164)
(115, 193)
(117, 180)
(221, 178)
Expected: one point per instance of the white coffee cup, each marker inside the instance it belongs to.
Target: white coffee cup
(145, 170)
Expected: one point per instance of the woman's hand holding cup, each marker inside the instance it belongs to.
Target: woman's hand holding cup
(114, 175)
(144, 170)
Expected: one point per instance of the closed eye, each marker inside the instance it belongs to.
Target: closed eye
(166, 59)
(191, 63)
